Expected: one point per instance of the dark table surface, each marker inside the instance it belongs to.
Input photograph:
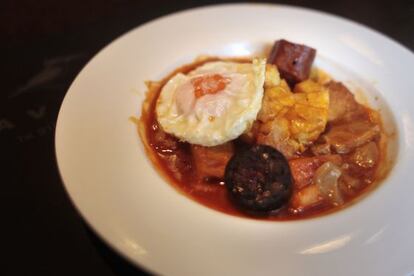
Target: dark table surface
(44, 44)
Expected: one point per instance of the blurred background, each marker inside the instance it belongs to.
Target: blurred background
(44, 44)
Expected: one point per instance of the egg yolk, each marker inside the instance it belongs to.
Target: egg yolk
(209, 84)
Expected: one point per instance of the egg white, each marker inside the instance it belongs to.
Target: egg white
(212, 119)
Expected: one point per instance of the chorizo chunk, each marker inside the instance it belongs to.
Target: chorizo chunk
(294, 61)
(303, 169)
(212, 161)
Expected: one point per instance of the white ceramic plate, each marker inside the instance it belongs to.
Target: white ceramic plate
(119, 193)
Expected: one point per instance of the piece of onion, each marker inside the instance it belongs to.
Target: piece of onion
(366, 156)
(326, 178)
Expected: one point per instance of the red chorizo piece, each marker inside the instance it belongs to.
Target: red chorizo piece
(212, 161)
(303, 169)
(294, 61)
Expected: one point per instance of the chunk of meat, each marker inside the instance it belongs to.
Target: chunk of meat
(212, 161)
(303, 169)
(346, 137)
(324, 188)
(294, 61)
(163, 142)
(172, 151)
(306, 198)
(342, 103)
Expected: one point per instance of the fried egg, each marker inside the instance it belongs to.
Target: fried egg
(214, 103)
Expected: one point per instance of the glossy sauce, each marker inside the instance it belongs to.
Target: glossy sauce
(174, 160)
